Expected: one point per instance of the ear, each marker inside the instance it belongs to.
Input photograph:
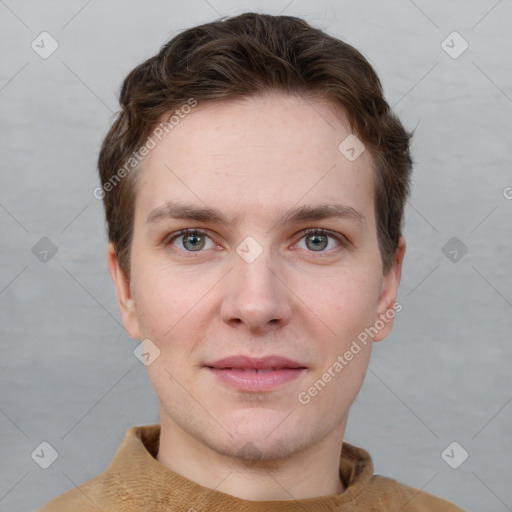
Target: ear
(386, 307)
(125, 300)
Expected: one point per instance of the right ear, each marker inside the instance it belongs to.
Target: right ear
(125, 301)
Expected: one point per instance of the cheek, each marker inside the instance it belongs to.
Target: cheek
(168, 302)
(347, 306)
(347, 303)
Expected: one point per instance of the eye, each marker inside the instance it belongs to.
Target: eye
(192, 240)
(195, 240)
(317, 240)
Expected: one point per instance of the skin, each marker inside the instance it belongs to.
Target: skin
(255, 158)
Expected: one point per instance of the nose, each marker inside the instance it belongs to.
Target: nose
(255, 295)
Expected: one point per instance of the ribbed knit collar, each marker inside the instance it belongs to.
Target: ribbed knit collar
(145, 482)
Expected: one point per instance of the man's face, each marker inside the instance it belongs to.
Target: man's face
(259, 286)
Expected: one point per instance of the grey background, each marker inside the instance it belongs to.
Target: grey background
(68, 373)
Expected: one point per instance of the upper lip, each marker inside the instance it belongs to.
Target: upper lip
(244, 362)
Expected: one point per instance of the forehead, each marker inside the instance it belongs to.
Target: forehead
(255, 157)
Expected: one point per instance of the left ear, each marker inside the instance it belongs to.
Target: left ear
(386, 307)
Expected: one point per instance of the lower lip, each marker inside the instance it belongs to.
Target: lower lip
(256, 381)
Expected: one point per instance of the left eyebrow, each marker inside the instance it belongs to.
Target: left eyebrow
(301, 214)
(309, 213)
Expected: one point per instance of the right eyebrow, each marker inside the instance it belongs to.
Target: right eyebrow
(175, 210)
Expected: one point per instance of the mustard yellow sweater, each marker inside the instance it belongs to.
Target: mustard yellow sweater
(136, 481)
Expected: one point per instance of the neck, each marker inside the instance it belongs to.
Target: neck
(311, 473)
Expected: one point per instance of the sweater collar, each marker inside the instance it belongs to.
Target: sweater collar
(151, 485)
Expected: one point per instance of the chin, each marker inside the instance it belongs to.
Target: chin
(269, 435)
(256, 446)
(252, 434)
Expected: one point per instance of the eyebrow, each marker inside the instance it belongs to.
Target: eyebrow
(297, 215)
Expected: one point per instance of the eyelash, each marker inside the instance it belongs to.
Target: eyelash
(196, 231)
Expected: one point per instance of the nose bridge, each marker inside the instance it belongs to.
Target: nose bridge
(255, 293)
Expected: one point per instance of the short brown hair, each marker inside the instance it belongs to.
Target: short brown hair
(244, 56)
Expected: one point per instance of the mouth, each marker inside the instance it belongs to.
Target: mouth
(256, 374)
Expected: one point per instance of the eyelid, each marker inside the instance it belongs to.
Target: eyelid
(341, 239)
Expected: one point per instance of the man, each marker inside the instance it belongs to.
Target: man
(254, 185)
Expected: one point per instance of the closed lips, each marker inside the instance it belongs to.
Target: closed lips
(256, 375)
(255, 370)
(249, 364)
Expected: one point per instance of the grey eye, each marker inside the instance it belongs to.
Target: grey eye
(317, 241)
(193, 241)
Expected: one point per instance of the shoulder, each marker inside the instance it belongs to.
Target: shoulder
(393, 495)
(86, 497)
(116, 484)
